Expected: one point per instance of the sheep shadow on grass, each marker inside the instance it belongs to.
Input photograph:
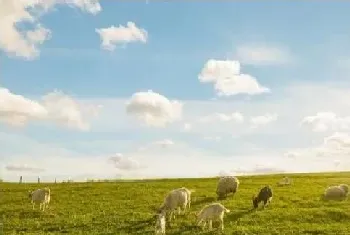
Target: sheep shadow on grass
(203, 200)
(232, 216)
(135, 226)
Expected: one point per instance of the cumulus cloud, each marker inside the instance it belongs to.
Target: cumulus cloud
(24, 43)
(23, 168)
(124, 163)
(338, 140)
(16, 109)
(120, 35)
(154, 109)
(263, 120)
(64, 110)
(223, 117)
(326, 121)
(56, 106)
(262, 55)
(164, 143)
(228, 80)
(336, 145)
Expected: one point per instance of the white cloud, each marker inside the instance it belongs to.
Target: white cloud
(154, 109)
(124, 162)
(338, 140)
(24, 43)
(326, 121)
(164, 143)
(17, 110)
(212, 138)
(121, 34)
(23, 168)
(262, 55)
(263, 120)
(187, 127)
(336, 145)
(65, 110)
(227, 79)
(223, 117)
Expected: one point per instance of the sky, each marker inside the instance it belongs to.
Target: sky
(147, 89)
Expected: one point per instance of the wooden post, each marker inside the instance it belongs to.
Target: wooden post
(20, 179)
(38, 180)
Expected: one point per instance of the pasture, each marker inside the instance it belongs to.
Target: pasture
(128, 207)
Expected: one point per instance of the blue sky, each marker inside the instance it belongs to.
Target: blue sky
(234, 87)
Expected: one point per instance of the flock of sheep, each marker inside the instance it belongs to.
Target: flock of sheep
(181, 198)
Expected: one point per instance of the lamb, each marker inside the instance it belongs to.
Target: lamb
(264, 195)
(40, 196)
(174, 199)
(214, 211)
(160, 224)
(338, 192)
(227, 184)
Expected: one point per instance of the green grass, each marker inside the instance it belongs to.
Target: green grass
(128, 207)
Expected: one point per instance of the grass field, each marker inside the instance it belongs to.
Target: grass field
(128, 207)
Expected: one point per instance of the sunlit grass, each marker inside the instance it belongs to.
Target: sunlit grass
(128, 207)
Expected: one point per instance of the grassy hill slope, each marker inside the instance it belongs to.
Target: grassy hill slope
(128, 207)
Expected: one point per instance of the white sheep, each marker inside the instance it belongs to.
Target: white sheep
(214, 211)
(189, 192)
(345, 187)
(160, 224)
(227, 184)
(338, 192)
(284, 181)
(176, 198)
(41, 197)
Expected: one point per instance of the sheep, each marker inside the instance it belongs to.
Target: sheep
(189, 192)
(338, 192)
(264, 195)
(214, 211)
(160, 224)
(40, 196)
(227, 184)
(174, 199)
(345, 187)
(284, 181)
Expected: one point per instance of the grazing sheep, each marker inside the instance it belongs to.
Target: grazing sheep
(284, 181)
(345, 187)
(338, 192)
(264, 195)
(189, 192)
(40, 196)
(160, 224)
(214, 211)
(174, 199)
(227, 184)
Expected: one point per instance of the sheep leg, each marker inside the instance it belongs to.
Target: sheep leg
(204, 224)
(265, 203)
(179, 210)
(210, 224)
(222, 224)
